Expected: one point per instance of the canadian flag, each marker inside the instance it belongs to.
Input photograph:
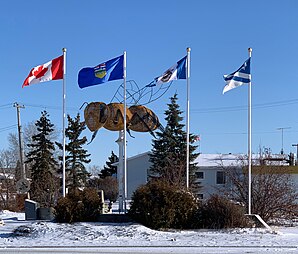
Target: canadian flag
(51, 70)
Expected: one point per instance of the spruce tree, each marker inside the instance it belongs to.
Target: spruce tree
(42, 163)
(168, 154)
(109, 169)
(76, 157)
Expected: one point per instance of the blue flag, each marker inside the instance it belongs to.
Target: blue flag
(104, 72)
(239, 77)
(177, 71)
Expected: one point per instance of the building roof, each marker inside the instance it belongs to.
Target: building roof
(213, 160)
(138, 156)
(133, 157)
(217, 160)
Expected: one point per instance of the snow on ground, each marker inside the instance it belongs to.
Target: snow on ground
(41, 233)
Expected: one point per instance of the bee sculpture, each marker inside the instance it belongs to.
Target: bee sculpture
(111, 117)
(143, 119)
(96, 115)
(115, 117)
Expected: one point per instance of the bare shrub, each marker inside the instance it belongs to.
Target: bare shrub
(218, 212)
(273, 192)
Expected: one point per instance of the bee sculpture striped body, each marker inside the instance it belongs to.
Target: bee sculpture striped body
(111, 117)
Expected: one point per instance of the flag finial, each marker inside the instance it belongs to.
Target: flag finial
(188, 49)
(64, 49)
(249, 52)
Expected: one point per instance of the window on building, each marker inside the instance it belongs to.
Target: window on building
(200, 175)
(220, 177)
(200, 196)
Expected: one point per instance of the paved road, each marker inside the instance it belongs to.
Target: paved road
(155, 250)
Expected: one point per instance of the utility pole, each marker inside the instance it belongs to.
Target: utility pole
(282, 138)
(23, 171)
(296, 153)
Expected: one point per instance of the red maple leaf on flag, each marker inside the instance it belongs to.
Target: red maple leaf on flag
(40, 71)
(51, 70)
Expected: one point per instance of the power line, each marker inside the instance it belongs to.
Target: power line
(10, 105)
(195, 111)
(245, 133)
(49, 107)
(7, 128)
(241, 108)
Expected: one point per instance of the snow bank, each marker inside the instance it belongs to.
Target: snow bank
(34, 233)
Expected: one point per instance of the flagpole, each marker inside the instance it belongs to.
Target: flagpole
(187, 116)
(249, 140)
(63, 121)
(124, 130)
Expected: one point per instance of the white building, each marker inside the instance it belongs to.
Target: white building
(210, 175)
(137, 172)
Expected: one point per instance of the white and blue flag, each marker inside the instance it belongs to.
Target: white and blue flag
(239, 77)
(177, 71)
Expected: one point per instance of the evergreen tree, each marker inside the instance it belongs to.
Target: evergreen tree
(109, 169)
(76, 157)
(43, 164)
(168, 154)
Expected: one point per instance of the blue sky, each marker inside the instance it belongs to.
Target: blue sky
(155, 35)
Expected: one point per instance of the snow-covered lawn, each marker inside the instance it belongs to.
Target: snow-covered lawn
(39, 233)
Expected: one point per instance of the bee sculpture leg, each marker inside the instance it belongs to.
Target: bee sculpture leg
(161, 128)
(128, 131)
(143, 121)
(93, 136)
(127, 125)
(116, 120)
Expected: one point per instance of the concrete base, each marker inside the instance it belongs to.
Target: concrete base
(259, 221)
(45, 213)
(31, 209)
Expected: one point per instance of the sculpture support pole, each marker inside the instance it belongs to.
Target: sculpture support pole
(120, 142)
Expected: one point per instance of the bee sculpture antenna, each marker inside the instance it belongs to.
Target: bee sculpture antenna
(84, 104)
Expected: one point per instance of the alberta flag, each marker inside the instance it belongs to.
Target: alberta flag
(104, 72)
(239, 77)
(177, 71)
